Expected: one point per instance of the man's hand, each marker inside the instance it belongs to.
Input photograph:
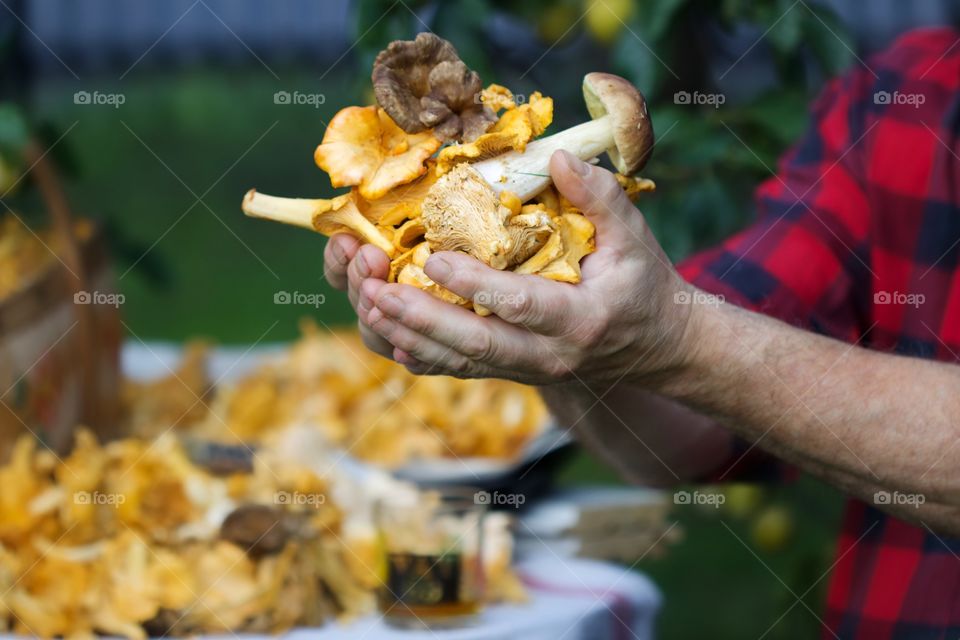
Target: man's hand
(845, 414)
(620, 321)
(346, 264)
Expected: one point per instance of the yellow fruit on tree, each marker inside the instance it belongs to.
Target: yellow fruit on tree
(606, 18)
(772, 528)
(742, 499)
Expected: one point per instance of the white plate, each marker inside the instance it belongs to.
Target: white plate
(482, 471)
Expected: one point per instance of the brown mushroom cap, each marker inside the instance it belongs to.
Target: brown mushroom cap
(401, 75)
(607, 94)
(423, 84)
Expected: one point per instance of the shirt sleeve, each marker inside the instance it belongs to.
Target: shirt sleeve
(804, 258)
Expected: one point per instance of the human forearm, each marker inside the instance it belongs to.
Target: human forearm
(647, 438)
(832, 408)
(858, 419)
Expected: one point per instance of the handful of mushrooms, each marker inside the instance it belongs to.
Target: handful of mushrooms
(486, 193)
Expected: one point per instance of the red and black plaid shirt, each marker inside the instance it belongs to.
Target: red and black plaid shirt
(858, 238)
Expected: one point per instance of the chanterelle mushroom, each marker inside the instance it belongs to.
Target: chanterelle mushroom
(323, 216)
(423, 83)
(462, 213)
(363, 146)
(620, 126)
(515, 128)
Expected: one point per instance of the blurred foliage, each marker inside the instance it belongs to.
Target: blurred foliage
(13, 138)
(707, 160)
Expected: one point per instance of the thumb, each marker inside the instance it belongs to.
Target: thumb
(596, 192)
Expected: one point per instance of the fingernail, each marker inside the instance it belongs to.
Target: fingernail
(438, 269)
(362, 267)
(390, 305)
(374, 316)
(575, 164)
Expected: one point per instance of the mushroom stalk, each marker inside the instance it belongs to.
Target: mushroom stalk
(323, 216)
(296, 211)
(528, 173)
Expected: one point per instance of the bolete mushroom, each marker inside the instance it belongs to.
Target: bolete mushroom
(620, 126)
(422, 84)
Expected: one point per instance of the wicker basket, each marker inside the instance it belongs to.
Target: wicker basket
(59, 354)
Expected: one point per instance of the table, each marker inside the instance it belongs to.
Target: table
(570, 598)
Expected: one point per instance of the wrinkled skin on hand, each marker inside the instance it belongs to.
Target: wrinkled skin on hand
(620, 322)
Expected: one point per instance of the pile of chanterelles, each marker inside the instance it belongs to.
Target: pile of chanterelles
(488, 193)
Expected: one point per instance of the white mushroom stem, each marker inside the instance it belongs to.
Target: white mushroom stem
(296, 211)
(527, 174)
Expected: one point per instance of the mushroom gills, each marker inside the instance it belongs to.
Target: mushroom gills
(462, 213)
